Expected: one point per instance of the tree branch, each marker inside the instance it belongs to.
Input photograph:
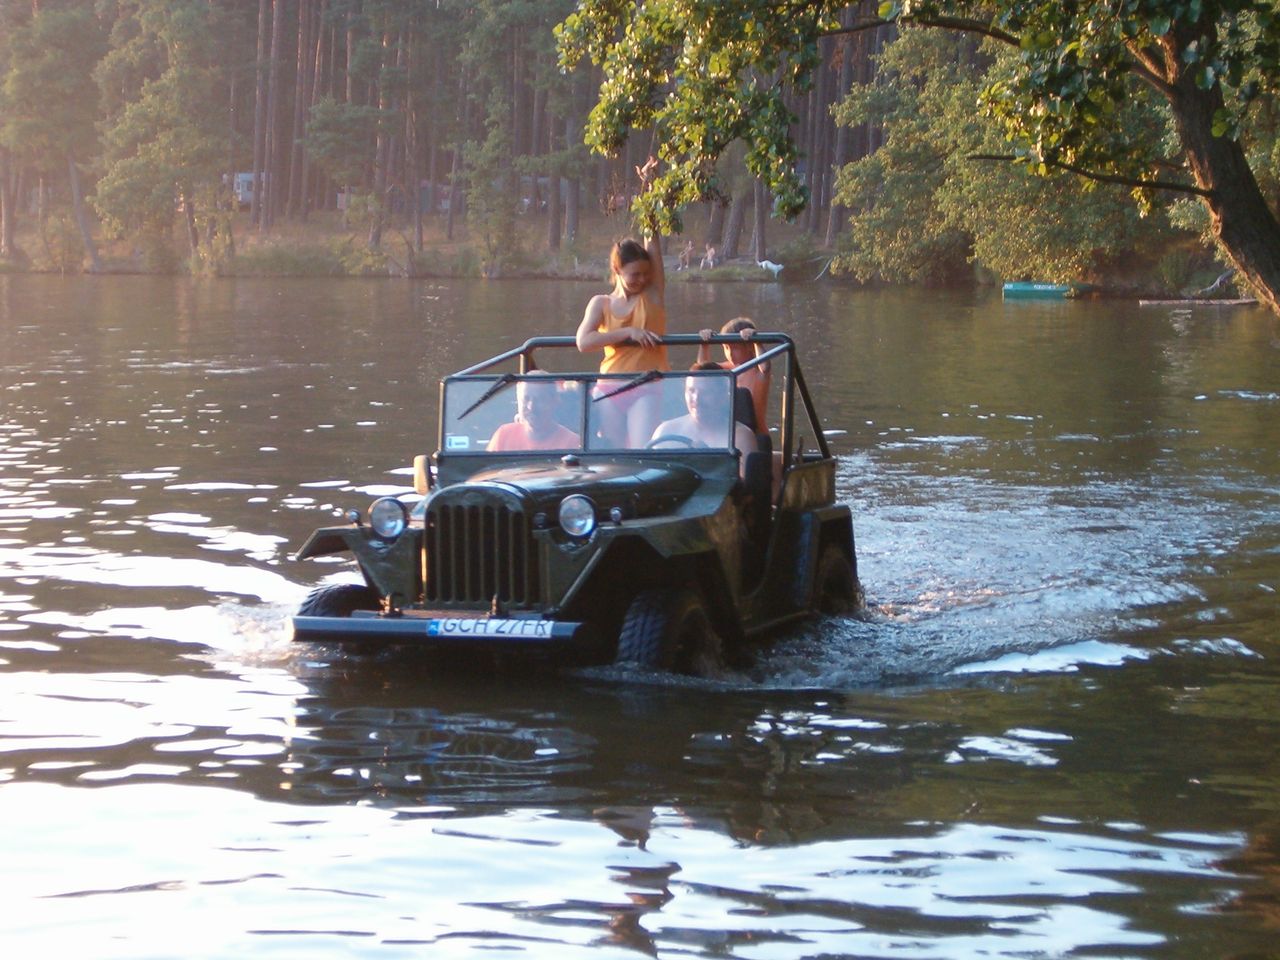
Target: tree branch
(1105, 177)
(969, 26)
(1149, 68)
(946, 23)
(857, 27)
(1144, 66)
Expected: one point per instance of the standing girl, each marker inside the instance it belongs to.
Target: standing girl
(628, 325)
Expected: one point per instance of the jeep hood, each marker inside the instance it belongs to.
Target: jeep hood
(644, 487)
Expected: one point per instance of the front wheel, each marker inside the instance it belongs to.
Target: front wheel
(669, 629)
(338, 600)
(836, 591)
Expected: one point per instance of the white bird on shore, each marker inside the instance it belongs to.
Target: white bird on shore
(774, 268)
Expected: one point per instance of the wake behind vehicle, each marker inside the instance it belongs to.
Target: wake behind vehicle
(674, 554)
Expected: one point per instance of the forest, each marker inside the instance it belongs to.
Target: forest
(416, 137)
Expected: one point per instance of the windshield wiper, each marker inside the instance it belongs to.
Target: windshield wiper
(503, 381)
(647, 377)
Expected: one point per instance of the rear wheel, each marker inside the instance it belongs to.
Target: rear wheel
(669, 629)
(836, 591)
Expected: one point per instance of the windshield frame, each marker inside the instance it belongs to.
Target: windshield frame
(467, 433)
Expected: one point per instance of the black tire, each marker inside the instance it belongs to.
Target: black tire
(669, 629)
(338, 600)
(836, 591)
(341, 600)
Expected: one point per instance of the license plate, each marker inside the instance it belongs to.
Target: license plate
(490, 627)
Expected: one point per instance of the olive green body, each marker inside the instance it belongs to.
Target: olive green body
(487, 543)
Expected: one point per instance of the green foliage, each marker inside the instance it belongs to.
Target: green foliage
(898, 232)
(295, 260)
(922, 208)
(60, 246)
(49, 101)
(337, 139)
(338, 258)
(703, 74)
(359, 260)
(167, 142)
(491, 199)
(1078, 63)
(155, 250)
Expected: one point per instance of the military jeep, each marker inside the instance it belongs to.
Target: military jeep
(571, 542)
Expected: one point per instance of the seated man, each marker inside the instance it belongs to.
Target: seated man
(710, 405)
(535, 426)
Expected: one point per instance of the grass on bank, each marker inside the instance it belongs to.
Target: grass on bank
(326, 246)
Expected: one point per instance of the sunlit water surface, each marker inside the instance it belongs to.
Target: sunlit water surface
(1053, 734)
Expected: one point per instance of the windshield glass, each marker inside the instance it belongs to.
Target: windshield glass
(540, 412)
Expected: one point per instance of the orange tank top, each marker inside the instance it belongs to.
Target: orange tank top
(630, 357)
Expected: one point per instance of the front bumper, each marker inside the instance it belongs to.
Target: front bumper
(497, 634)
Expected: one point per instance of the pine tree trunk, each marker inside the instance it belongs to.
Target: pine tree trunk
(350, 91)
(553, 201)
(433, 131)
(821, 145)
(381, 158)
(259, 115)
(573, 185)
(272, 153)
(301, 74)
(812, 125)
(193, 233)
(715, 222)
(733, 227)
(761, 218)
(82, 217)
(313, 89)
(836, 212)
(8, 206)
(455, 173)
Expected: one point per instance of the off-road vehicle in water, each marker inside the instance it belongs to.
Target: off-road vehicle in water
(677, 554)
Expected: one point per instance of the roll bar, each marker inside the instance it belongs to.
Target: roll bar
(779, 344)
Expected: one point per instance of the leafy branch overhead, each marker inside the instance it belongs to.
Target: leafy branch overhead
(703, 73)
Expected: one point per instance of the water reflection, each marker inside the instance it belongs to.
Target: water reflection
(734, 831)
(1052, 735)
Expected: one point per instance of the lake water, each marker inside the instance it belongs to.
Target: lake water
(1054, 734)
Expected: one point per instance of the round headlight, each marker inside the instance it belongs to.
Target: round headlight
(388, 517)
(577, 515)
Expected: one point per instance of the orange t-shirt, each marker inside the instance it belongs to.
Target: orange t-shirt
(515, 436)
(630, 357)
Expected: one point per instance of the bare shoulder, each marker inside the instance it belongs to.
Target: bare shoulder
(596, 308)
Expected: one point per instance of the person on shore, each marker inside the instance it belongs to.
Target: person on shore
(686, 256)
(757, 379)
(535, 426)
(628, 325)
(708, 258)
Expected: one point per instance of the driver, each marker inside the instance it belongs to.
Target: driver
(535, 426)
(706, 423)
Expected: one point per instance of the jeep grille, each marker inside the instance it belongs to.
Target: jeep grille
(477, 551)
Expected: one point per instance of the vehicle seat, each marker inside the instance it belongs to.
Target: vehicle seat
(757, 484)
(744, 411)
